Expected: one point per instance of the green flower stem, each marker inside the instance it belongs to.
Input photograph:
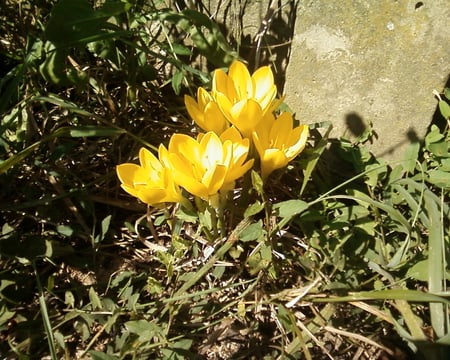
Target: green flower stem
(216, 205)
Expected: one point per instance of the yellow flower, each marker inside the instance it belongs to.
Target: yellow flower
(150, 181)
(209, 164)
(205, 112)
(277, 142)
(243, 98)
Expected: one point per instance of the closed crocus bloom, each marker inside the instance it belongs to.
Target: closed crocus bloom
(277, 142)
(206, 112)
(150, 182)
(206, 165)
(243, 98)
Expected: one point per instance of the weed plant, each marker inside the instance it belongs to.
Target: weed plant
(339, 255)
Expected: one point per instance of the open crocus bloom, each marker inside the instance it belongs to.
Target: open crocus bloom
(243, 98)
(150, 182)
(277, 142)
(205, 112)
(209, 164)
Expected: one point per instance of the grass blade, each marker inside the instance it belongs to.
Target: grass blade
(45, 318)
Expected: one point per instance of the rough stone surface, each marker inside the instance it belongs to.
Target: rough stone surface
(378, 61)
(350, 62)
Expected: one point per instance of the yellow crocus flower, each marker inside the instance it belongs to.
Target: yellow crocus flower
(205, 112)
(236, 98)
(278, 142)
(208, 164)
(243, 98)
(150, 181)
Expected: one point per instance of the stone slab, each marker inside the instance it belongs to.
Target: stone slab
(358, 61)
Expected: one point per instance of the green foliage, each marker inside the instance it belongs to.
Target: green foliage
(84, 274)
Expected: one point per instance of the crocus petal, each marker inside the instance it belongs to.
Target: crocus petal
(237, 172)
(281, 130)
(211, 150)
(149, 183)
(246, 114)
(214, 178)
(127, 173)
(298, 141)
(224, 104)
(271, 160)
(223, 84)
(193, 109)
(148, 195)
(231, 134)
(203, 97)
(264, 87)
(214, 120)
(147, 159)
(243, 84)
(184, 145)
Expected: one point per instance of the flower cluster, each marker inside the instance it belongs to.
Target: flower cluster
(237, 115)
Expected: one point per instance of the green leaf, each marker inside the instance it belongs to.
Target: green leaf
(375, 173)
(80, 131)
(364, 199)
(95, 300)
(178, 350)
(447, 93)
(177, 79)
(93, 131)
(104, 229)
(394, 294)
(290, 208)
(180, 49)
(445, 165)
(97, 355)
(410, 157)
(11, 83)
(146, 330)
(257, 183)
(5, 314)
(445, 109)
(65, 230)
(313, 157)
(253, 232)
(52, 99)
(439, 178)
(433, 136)
(15, 159)
(419, 271)
(440, 148)
(254, 209)
(53, 69)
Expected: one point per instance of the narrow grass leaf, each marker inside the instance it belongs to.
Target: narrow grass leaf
(62, 103)
(394, 294)
(314, 159)
(436, 265)
(45, 317)
(94, 131)
(393, 213)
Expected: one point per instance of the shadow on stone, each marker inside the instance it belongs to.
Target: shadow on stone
(412, 136)
(355, 124)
